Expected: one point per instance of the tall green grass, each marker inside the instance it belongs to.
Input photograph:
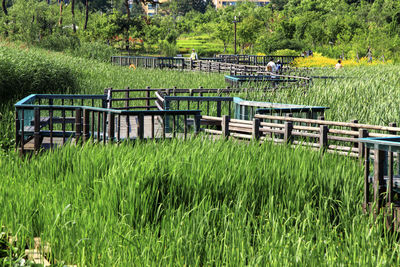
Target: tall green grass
(192, 203)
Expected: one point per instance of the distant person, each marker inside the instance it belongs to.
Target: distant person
(278, 66)
(271, 66)
(338, 65)
(194, 56)
(369, 54)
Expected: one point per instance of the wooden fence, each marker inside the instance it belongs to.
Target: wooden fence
(181, 63)
(256, 60)
(331, 136)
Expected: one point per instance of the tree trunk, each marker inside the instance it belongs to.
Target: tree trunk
(73, 15)
(128, 12)
(61, 9)
(86, 14)
(3, 4)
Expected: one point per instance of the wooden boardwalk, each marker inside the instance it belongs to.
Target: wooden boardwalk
(128, 130)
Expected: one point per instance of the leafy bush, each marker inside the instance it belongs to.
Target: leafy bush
(168, 49)
(59, 42)
(286, 52)
(94, 50)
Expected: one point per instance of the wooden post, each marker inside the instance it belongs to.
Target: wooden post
(78, 124)
(366, 179)
(225, 126)
(390, 173)
(378, 177)
(355, 129)
(17, 129)
(197, 119)
(390, 180)
(323, 137)
(218, 108)
(127, 99)
(140, 128)
(36, 133)
(256, 129)
(287, 135)
(148, 97)
(86, 117)
(111, 127)
(362, 133)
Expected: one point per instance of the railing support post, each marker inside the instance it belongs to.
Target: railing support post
(362, 133)
(378, 178)
(366, 179)
(17, 129)
(256, 129)
(140, 126)
(218, 108)
(323, 137)
(356, 145)
(148, 97)
(225, 126)
(287, 134)
(86, 118)
(78, 124)
(197, 120)
(111, 127)
(36, 132)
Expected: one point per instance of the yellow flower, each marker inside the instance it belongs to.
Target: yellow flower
(318, 60)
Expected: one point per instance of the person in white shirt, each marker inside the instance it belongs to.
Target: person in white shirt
(194, 56)
(338, 65)
(271, 66)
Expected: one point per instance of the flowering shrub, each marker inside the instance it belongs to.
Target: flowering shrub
(318, 60)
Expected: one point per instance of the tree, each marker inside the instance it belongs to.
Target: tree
(73, 15)
(224, 32)
(4, 6)
(86, 14)
(248, 30)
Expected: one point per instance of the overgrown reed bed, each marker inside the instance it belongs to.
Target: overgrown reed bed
(192, 203)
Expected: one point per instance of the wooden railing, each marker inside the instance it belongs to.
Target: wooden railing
(198, 65)
(256, 60)
(331, 136)
(57, 122)
(150, 62)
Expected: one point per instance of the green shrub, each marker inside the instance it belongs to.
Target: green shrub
(168, 49)
(94, 50)
(59, 42)
(286, 52)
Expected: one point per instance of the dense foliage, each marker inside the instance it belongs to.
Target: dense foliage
(335, 28)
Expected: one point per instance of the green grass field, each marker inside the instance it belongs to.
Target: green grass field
(192, 203)
(198, 202)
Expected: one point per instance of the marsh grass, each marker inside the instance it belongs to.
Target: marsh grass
(192, 203)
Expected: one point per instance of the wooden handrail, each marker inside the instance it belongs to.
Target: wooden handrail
(331, 123)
